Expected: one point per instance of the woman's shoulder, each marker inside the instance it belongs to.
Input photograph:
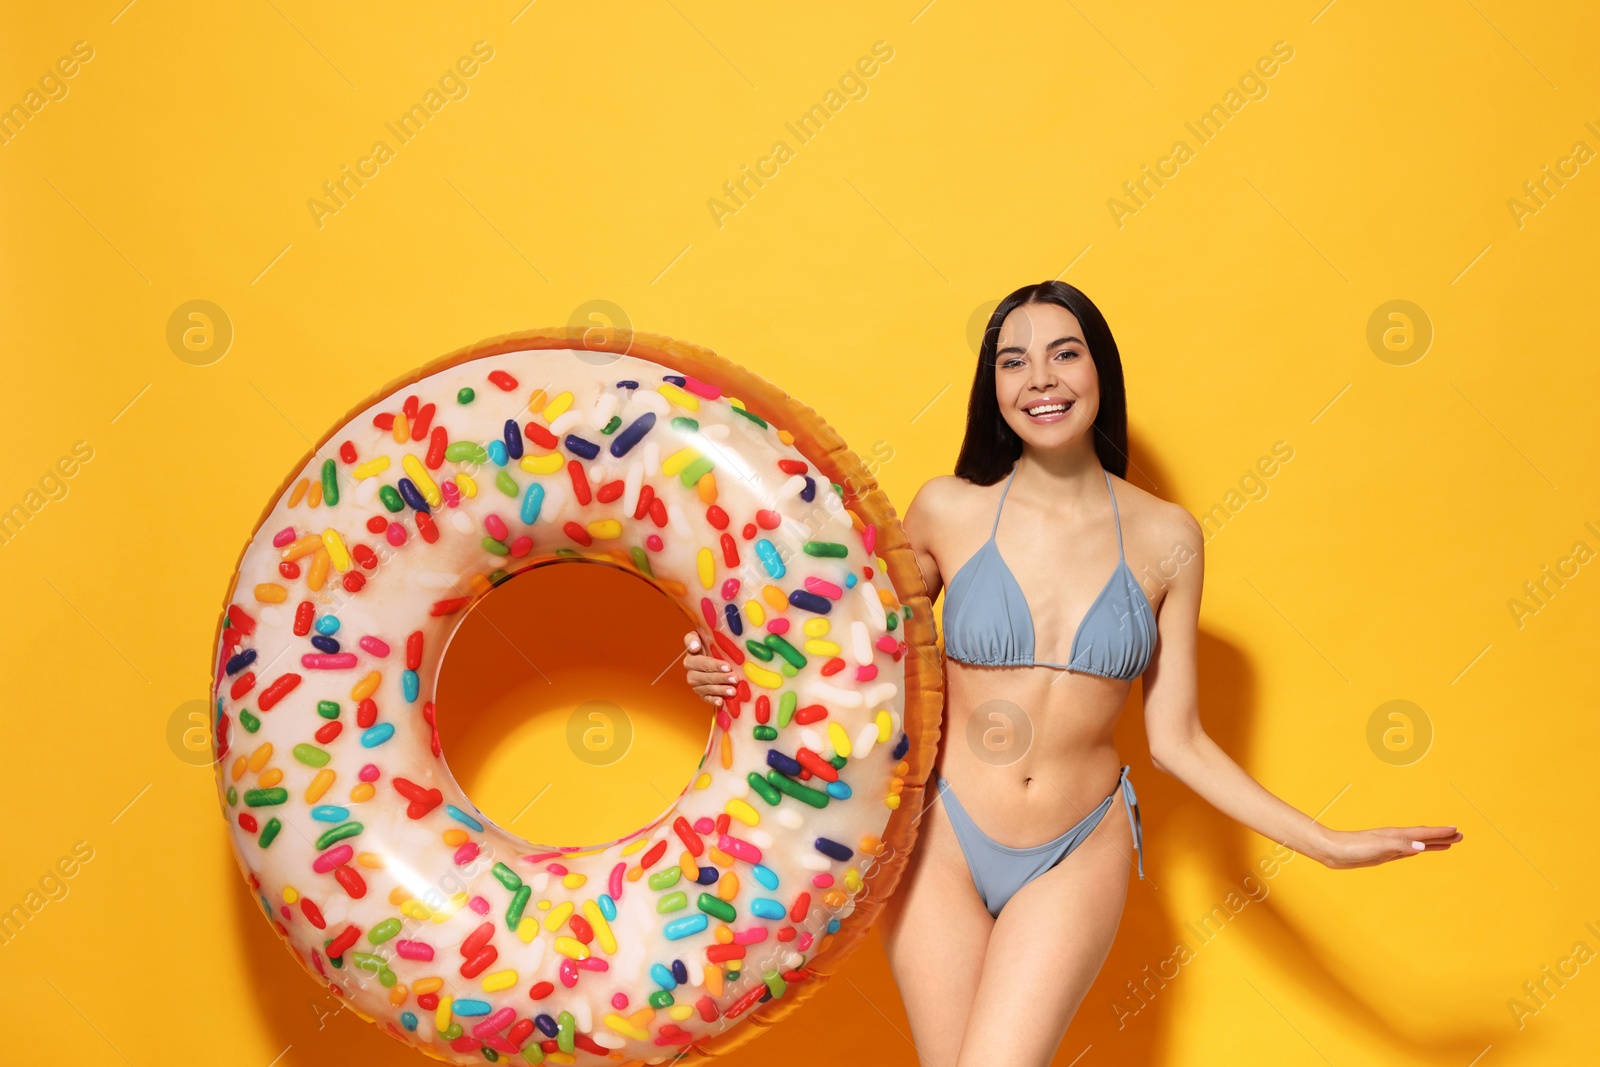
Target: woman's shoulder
(1148, 515)
(948, 496)
(941, 502)
(943, 489)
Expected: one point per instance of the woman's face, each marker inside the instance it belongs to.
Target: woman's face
(1045, 381)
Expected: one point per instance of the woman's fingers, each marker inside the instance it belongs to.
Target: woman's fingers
(708, 676)
(712, 682)
(707, 665)
(694, 649)
(1442, 834)
(1431, 838)
(711, 676)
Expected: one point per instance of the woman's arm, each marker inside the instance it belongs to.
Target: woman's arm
(923, 516)
(1179, 745)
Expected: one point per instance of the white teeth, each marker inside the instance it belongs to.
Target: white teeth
(1047, 409)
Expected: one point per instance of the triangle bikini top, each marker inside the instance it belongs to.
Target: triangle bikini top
(988, 622)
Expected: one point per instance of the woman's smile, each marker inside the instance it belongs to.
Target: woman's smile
(1047, 409)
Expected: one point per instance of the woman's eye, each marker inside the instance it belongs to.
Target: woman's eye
(1011, 362)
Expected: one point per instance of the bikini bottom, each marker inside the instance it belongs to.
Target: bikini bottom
(998, 871)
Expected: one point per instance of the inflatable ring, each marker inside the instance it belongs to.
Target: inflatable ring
(633, 450)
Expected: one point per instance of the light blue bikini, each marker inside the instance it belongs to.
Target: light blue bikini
(989, 624)
(999, 870)
(993, 627)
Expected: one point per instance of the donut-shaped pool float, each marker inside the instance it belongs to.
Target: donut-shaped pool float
(472, 943)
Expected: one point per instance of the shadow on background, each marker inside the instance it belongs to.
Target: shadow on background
(1122, 1014)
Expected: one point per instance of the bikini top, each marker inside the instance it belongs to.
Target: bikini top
(988, 622)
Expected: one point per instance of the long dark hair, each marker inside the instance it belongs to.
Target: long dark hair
(991, 448)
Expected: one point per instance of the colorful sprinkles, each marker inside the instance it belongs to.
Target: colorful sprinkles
(450, 933)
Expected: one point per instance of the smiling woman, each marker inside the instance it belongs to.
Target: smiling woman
(1037, 539)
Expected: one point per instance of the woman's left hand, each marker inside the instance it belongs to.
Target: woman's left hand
(1368, 848)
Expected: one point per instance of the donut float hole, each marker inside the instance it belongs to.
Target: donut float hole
(547, 714)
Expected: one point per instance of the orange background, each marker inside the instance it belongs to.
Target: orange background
(1439, 460)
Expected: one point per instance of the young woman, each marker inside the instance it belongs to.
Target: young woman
(1015, 888)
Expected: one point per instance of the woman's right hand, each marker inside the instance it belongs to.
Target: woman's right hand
(708, 676)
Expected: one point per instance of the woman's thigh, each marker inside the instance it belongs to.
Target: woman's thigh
(1047, 946)
(935, 930)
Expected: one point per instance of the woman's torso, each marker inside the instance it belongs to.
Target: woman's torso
(1030, 749)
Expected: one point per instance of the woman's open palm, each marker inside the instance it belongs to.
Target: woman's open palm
(1368, 848)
